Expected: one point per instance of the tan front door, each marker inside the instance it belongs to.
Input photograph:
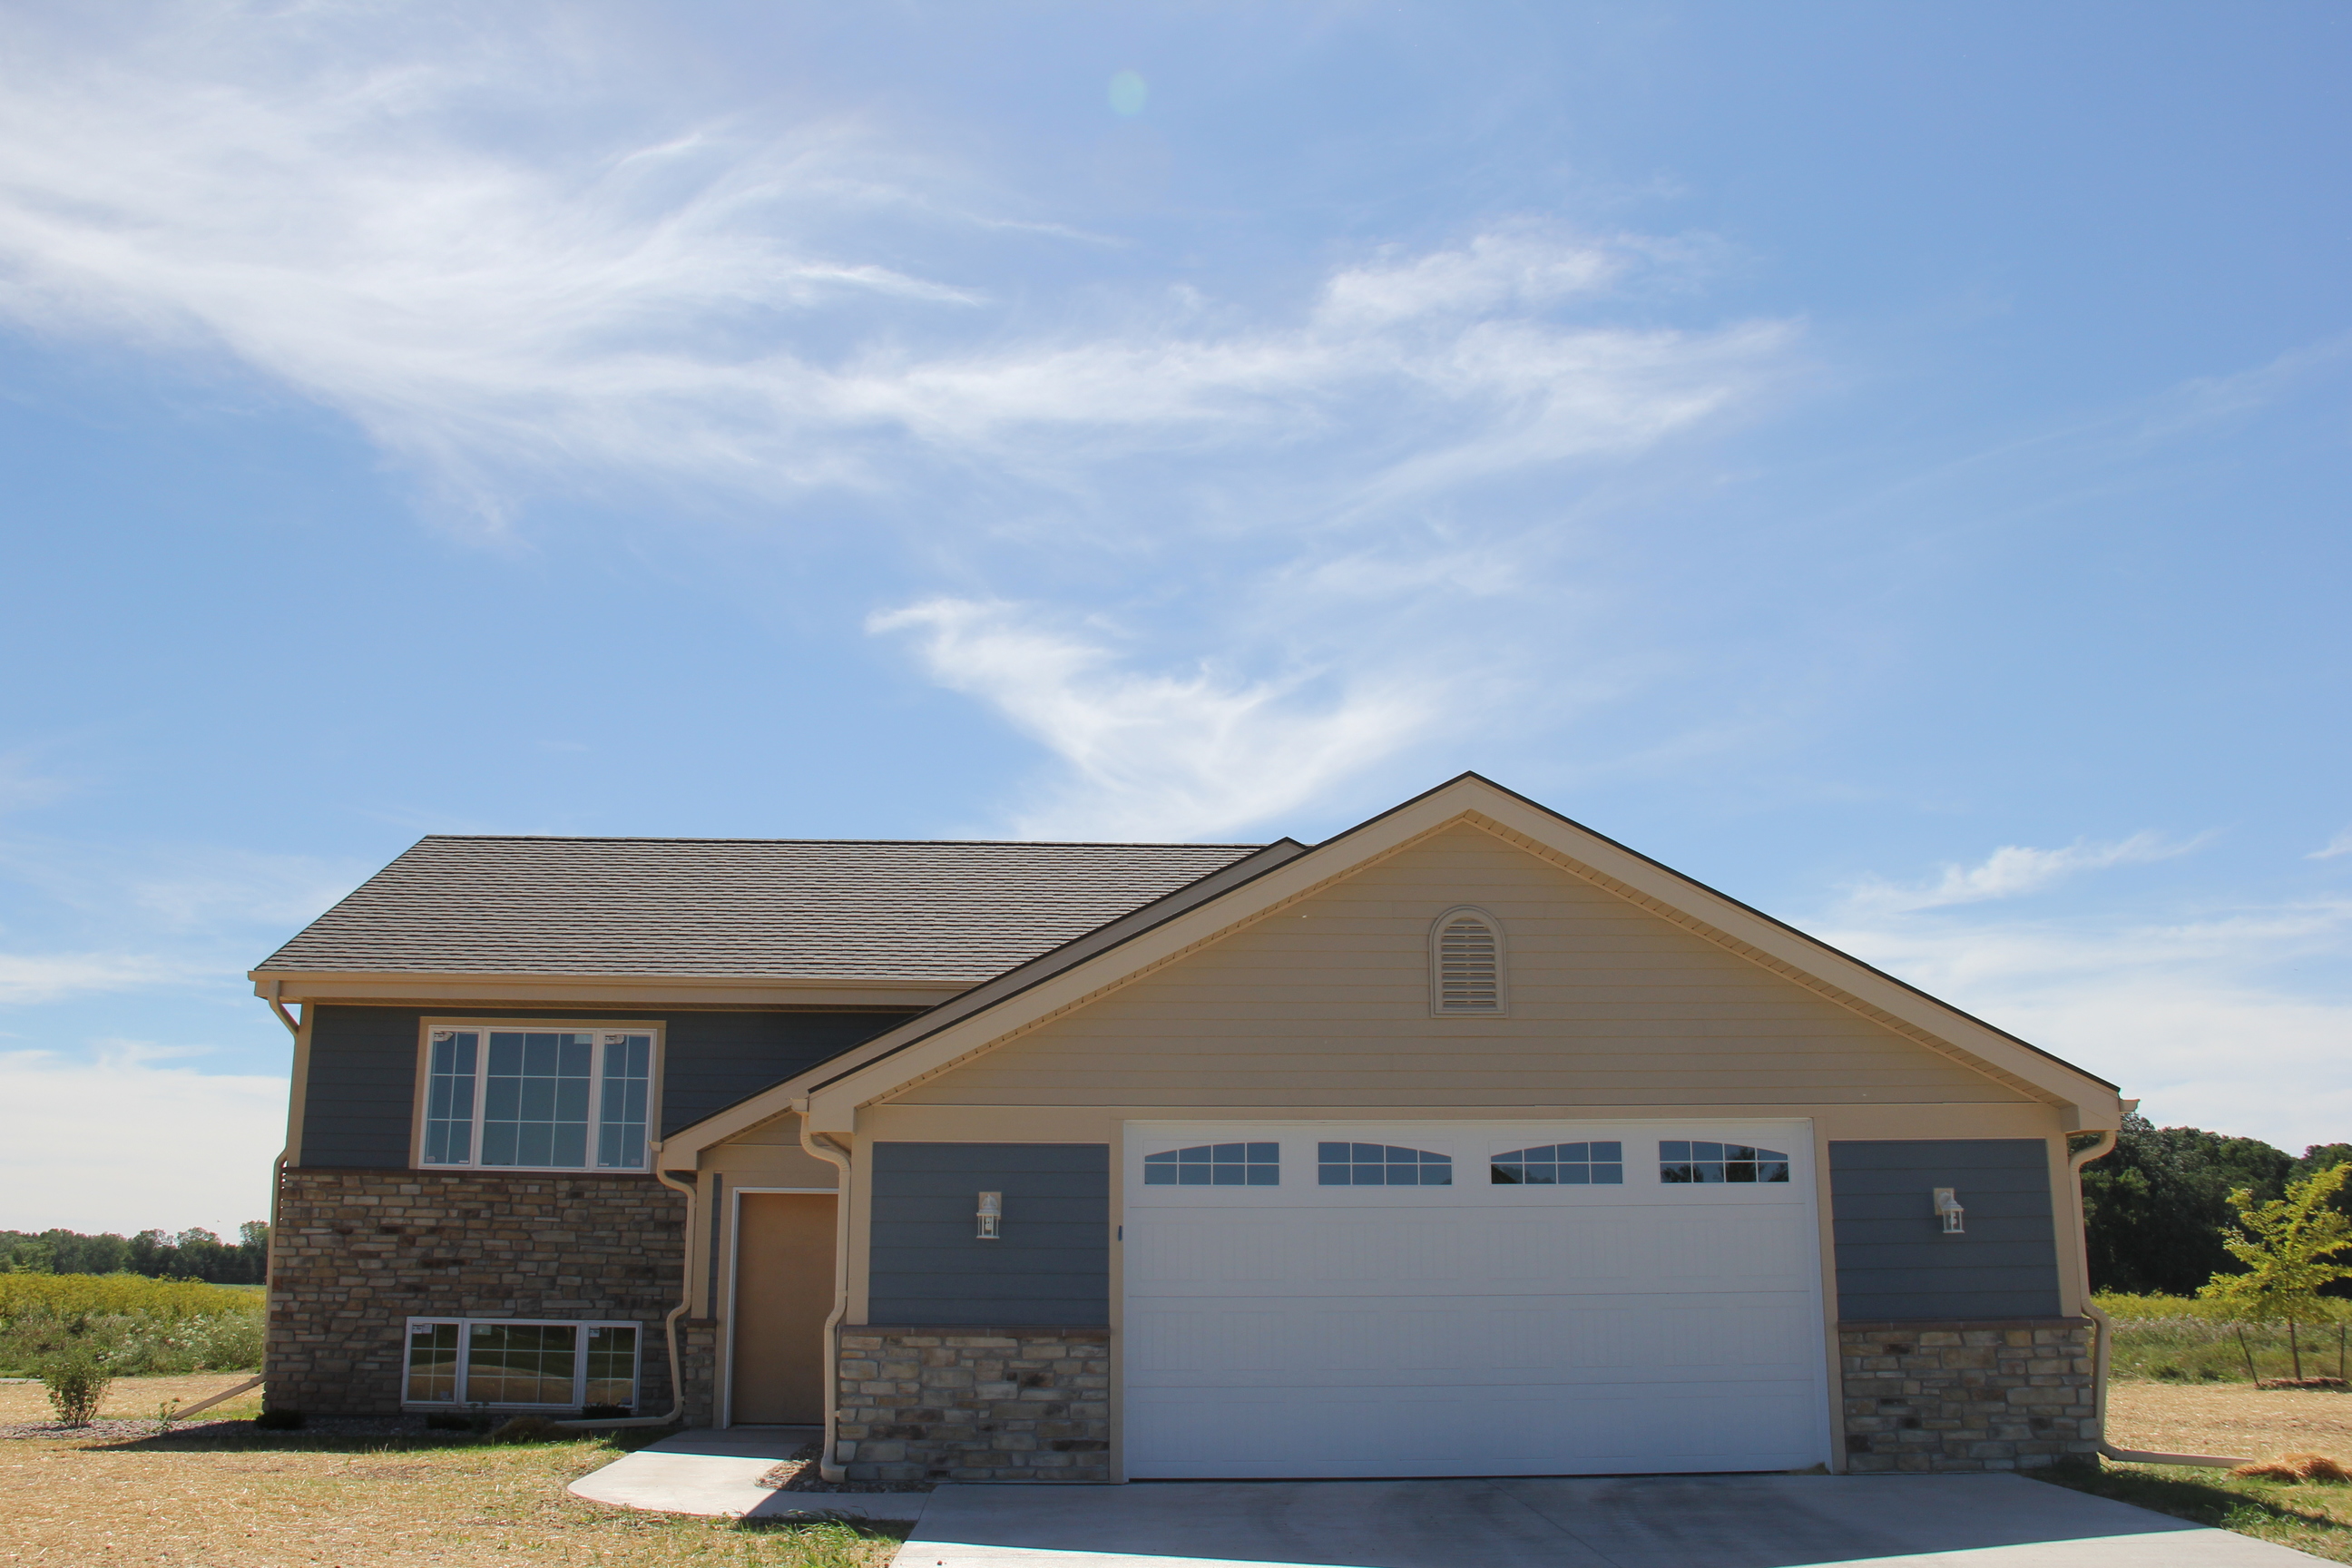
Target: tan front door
(783, 1289)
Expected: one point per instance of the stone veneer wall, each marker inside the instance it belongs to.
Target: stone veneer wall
(356, 1252)
(2007, 1394)
(968, 1403)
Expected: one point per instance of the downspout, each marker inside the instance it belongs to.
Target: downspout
(277, 1176)
(829, 1463)
(2103, 1357)
(669, 1323)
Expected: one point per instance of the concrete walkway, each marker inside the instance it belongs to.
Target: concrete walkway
(716, 1473)
(1647, 1521)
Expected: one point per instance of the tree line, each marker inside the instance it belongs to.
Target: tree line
(2158, 1208)
(195, 1254)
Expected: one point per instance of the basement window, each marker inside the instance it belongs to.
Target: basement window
(510, 1362)
(1466, 964)
(537, 1099)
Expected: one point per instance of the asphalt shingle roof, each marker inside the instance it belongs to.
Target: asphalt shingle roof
(740, 907)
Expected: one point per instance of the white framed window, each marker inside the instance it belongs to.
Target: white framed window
(536, 1097)
(1467, 975)
(548, 1363)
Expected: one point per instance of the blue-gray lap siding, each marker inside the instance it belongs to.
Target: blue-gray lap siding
(358, 1105)
(1050, 1267)
(1893, 1261)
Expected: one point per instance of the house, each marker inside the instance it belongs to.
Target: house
(1465, 1142)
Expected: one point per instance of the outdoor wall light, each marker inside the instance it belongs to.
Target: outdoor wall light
(1948, 1207)
(992, 1209)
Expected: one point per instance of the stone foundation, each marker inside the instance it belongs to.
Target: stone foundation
(974, 1404)
(357, 1252)
(2008, 1394)
(698, 1368)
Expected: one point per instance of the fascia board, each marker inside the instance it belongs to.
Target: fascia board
(648, 990)
(2090, 1103)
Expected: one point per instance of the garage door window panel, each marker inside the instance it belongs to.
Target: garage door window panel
(1560, 1166)
(1380, 1165)
(1685, 1161)
(1215, 1165)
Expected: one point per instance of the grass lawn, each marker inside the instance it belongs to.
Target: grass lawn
(2310, 1516)
(288, 1498)
(2261, 1424)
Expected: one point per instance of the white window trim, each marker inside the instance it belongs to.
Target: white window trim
(1437, 1008)
(420, 1095)
(464, 1355)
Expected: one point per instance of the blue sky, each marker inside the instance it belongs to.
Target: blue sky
(1887, 461)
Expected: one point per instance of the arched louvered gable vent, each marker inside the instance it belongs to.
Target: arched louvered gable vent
(1466, 963)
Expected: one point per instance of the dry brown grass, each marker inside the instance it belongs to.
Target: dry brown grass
(298, 1502)
(2228, 1418)
(135, 1398)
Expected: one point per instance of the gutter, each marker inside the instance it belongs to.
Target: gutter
(828, 1465)
(2105, 1356)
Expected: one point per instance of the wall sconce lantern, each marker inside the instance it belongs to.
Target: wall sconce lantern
(992, 1209)
(1947, 1207)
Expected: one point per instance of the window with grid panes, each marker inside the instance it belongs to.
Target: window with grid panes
(567, 1100)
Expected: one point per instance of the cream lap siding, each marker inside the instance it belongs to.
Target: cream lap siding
(1326, 1003)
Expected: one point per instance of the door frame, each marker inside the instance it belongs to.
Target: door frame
(735, 1230)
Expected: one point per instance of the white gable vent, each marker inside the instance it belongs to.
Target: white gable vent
(1465, 962)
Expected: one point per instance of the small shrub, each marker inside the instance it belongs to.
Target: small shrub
(77, 1383)
(528, 1429)
(278, 1421)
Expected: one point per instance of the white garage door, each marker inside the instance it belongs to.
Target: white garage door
(1462, 1300)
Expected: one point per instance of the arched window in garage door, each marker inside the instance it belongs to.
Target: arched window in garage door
(1215, 1165)
(1380, 1165)
(1599, 1164)
(1691, 1159)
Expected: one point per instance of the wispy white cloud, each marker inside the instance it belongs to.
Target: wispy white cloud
(53, 976)
(180, 888)
(2011, 870)
(182, 1148)
(1193, 755)
(2339, 845)
(597, 286)
(2195, 1013)
(699, 303)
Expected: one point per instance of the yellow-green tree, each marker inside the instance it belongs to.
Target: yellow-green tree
(2292, 1247)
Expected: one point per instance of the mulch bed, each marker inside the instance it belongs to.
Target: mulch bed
(799, 1474)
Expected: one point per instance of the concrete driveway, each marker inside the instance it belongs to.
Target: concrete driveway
(1645, 1522)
